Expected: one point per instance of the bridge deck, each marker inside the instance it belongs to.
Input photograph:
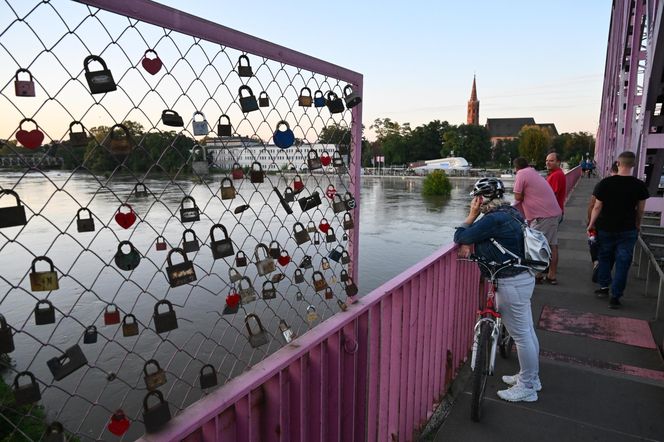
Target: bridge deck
(602, 379)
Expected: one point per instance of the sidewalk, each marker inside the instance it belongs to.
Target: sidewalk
(602, 372)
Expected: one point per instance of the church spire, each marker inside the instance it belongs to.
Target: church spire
(473, 117)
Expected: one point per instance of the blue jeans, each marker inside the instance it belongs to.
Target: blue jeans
(615, 248)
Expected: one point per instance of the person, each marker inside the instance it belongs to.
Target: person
(619, 205)
(503, 223)
(556, 179)
(584, 167)
(594, 244)
(538, 203)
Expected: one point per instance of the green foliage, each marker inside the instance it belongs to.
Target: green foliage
(436, 184)
(335, 134)
(504, 152)
(468, 141)
(573, 146)
(534, 143)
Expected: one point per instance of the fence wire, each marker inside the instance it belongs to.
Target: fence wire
(108, 190)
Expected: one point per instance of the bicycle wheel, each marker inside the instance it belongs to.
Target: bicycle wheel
(506, 343)
(481, 371)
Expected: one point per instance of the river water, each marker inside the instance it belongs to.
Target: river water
(398, 227)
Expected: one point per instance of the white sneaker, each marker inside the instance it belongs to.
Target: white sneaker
(518, 393)
(511, 380)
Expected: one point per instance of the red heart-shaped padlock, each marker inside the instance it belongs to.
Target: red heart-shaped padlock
(298, 186)
(30, 140)
(331, 191)
(125, 220)
(284, 258)
(232, 300)
(325, 159)
(119, 423)
(324, 226)
(152, 65)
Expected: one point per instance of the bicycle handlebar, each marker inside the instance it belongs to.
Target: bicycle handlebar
(491, 265)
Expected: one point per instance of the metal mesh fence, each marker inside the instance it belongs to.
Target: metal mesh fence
(112, 166)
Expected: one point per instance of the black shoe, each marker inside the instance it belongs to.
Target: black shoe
(602, 292)
(614, 303)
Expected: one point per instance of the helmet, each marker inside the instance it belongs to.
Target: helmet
(488, 187)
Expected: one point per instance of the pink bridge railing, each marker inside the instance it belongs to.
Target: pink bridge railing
(571, 178)
(372, 373)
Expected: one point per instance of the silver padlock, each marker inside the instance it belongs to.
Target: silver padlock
(286, 331)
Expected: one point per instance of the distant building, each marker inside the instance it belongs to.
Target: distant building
(509, 128)
(473, 117)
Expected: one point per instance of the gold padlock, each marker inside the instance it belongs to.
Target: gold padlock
(43, 281)
(312, 315)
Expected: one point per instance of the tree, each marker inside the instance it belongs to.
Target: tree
(534, 143)
(335, 134)
(436, 183)
(504, 152)
(425, 141)
(468, 141)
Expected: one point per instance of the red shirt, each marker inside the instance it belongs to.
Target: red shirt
(558, 183)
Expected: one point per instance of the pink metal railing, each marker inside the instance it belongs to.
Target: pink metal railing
(571, 178)
(372, 373)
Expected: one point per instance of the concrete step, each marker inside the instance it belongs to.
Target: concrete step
(648, 229)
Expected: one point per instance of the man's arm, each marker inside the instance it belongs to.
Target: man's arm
(591, 204)
(640, 208)
(518, 196)
(597, 208)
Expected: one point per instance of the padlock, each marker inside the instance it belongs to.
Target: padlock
(286, 331)
(90, 335)
(319, 99)
(345, 257)
(224, 129)
(351, 98)
(283, 138)
(189, 214)
(171, 118)
(241, 208)
(263, 99)
(334, 103)
(258, 338)
(111, 315)
(274, 249)
(348, 221)
(344, 237)
(234, 275)
(306, 262)
(119, 424)
(127, 261)
(312, 314)
(330, 191)
(305, 98)
(335, 254)
(190, 245)
(181, 273)
(43, 281)
(316, 240)
(300, 234)
(44, 315)
(199, 127)
(98, 81)
(240, 259)
(313, 160)
(289, 194)
(237, 173)
(248, 293)
(151, 65)
(324, 225)
(24, 88)
(298, 276)
(6, 337)
(199, 161)
(227, 189)
(265, 265)
(160, 243)
(84, 224)
(223, 247)
(165, 321)
(330, 236)
(70, 361)
(140, 190)
(129, 326)
(324, 263)
(350, 287)
(13, 215)
(319, 281)
(349, 201)
(120, 144)
(156, 378)
(244, 70)
(329, 294)
(333, 280)
(309, 202)
(269, 290)
(54, 432)
(325, 158)
(247, 103)
(338, 204)
(299, 296)
(311, 227)
(158, 415)
(277, 277)
(28, 393)
(208, 379)
(343, 276)
(342, 305)
(232, 304)
(29, 139)
(256, 174)
(77, 139)
(284, 258)
(338, 162)
(298, 184)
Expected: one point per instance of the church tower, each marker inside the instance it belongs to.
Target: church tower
(473, 107)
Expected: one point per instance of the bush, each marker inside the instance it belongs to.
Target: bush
(437, 184)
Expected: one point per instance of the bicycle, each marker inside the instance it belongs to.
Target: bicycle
(490, 332)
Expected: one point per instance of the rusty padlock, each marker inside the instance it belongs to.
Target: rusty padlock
(43, 281)
(156, 378)
(24, 88)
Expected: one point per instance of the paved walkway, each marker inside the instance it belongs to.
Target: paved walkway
(602, 373)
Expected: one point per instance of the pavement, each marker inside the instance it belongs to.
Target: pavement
(602, 370)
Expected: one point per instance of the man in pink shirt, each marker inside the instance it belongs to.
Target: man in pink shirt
(535, 198)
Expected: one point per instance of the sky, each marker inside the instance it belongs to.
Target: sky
(532, 58)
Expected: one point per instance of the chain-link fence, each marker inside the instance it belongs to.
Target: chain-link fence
(172, 210)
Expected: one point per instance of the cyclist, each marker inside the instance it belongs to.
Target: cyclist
(502, 222)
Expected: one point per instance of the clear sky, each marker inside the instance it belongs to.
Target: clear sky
(532, 58)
